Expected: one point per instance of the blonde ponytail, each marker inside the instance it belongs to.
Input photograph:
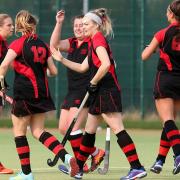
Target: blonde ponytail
(106, 26)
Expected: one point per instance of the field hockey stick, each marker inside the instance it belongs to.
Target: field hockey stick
(105, 168)
(2, 90)
(7, 98)
(56, 158)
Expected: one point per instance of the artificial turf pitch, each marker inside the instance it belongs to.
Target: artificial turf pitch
(147, 142)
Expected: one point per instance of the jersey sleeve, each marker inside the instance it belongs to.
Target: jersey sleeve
(160, 35)
(17, 46)
(49, 51)
(99, 40)
(70, 43)
(70, 40)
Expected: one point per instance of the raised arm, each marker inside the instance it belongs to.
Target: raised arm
(55, 40)
(150, 49)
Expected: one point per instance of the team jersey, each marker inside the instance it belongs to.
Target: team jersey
(30, 67)
(3, 48)
(77, 54)
(110, 78)
(169, 47)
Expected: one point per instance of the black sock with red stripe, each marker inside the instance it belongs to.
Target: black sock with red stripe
(53, 144)
(23, 151)
(164, 147)
(75, 139)
(86, 148)
(129, 149)
(173, 135)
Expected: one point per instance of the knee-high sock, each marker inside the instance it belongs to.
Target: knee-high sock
(23, 151)
(86, 148)
(53, 144)
(75, 139)
(163, 147)
(128, 147)
(173, 135)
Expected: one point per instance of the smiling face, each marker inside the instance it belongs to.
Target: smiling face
(78, 29)
(90, 27)
(7, 28)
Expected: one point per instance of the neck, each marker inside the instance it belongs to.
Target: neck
(94, 33)
(174, 21)
(79, 42)
(3, 36)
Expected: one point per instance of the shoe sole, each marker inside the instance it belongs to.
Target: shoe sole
(176, 170)
(74, 167)
(6, 172)
(139, 176)
(63, 171)
(77, 177)
(157, 170)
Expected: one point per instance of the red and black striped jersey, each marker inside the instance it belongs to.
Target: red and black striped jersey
(169, 47)
(110, 79)
(30, 67)
(3, 48)
(77, 54)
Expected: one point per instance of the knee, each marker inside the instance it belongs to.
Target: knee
(62, 130)
(116, 128)
(37, 133)
(90, 129)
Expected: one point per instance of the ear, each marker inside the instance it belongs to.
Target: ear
(97, 26)
(172, 15)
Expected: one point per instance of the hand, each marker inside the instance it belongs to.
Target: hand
(92, 88)
(56, 54)
(60, 16)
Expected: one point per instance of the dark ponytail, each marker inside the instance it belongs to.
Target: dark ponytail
(175, 8)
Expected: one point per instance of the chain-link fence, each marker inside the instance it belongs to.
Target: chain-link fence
(134, 22)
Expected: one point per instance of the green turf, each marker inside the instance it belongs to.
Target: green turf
(146, 142)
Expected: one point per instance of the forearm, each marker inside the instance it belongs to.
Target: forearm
(56, 35)
(72, 65)
(103, 69)
(150, 49)
(3, 70)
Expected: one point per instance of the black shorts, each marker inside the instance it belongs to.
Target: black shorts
(28, 107)
(73, 99)
(106, 101)
(167, 85)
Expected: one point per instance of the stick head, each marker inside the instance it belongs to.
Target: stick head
(103, 170)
